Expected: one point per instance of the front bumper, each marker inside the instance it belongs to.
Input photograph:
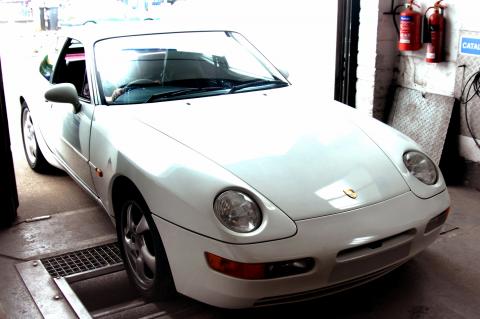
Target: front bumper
(349, 249)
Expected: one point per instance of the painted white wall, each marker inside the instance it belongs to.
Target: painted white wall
(440, 78)
(378, 57)
(299, 35)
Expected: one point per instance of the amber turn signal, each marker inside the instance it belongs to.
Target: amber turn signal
(254, 271)
(235, 269)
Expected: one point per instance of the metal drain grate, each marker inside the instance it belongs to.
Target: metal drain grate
(83, 260)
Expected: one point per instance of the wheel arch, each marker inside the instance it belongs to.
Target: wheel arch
(23, 104)
(123, 188)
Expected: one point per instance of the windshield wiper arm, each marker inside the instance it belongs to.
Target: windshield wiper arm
(165, 95)
(257, 83)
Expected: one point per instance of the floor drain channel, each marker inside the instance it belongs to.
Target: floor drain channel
(83, 260)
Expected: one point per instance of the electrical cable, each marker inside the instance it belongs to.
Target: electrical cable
(394, 15)
(472, 83)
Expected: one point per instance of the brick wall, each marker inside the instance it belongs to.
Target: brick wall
(377, 57)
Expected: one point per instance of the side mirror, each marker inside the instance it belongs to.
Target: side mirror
(284, 72)
(64, 93)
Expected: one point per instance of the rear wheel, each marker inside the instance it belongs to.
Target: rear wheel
(34, 155)
(143, 252)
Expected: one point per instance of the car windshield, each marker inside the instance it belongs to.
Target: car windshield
(160, 67)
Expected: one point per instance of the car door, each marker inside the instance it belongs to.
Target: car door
(42, 108)
(70, 130)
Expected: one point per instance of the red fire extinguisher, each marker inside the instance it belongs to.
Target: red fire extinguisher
(410, 28)
(436, 30)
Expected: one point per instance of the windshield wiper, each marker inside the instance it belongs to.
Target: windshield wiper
(238, 87)
(167, 95)
(135, 85)
(139, 84)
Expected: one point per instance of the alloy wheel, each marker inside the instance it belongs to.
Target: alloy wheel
(29, 138)
(138, 244)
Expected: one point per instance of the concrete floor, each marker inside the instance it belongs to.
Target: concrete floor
(442, 282)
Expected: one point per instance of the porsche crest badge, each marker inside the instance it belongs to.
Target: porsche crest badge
(350, 193)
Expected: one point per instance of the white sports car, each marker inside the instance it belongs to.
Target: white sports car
(227, 184)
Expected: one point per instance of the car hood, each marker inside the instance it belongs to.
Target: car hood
(300, 153)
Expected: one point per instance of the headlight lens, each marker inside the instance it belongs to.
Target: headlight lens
(237, 211)
(421, 167)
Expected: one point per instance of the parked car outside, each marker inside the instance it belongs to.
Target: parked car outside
(76, 13)
(225, 183)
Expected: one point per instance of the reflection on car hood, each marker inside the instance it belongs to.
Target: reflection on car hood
(300, 153)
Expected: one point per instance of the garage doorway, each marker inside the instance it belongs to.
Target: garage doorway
(347, 51)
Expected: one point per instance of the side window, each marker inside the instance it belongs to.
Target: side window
(71, 68)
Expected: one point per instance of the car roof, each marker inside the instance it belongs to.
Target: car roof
(89, 34)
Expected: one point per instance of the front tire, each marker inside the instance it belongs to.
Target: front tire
(143, 252)
(34, 155)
